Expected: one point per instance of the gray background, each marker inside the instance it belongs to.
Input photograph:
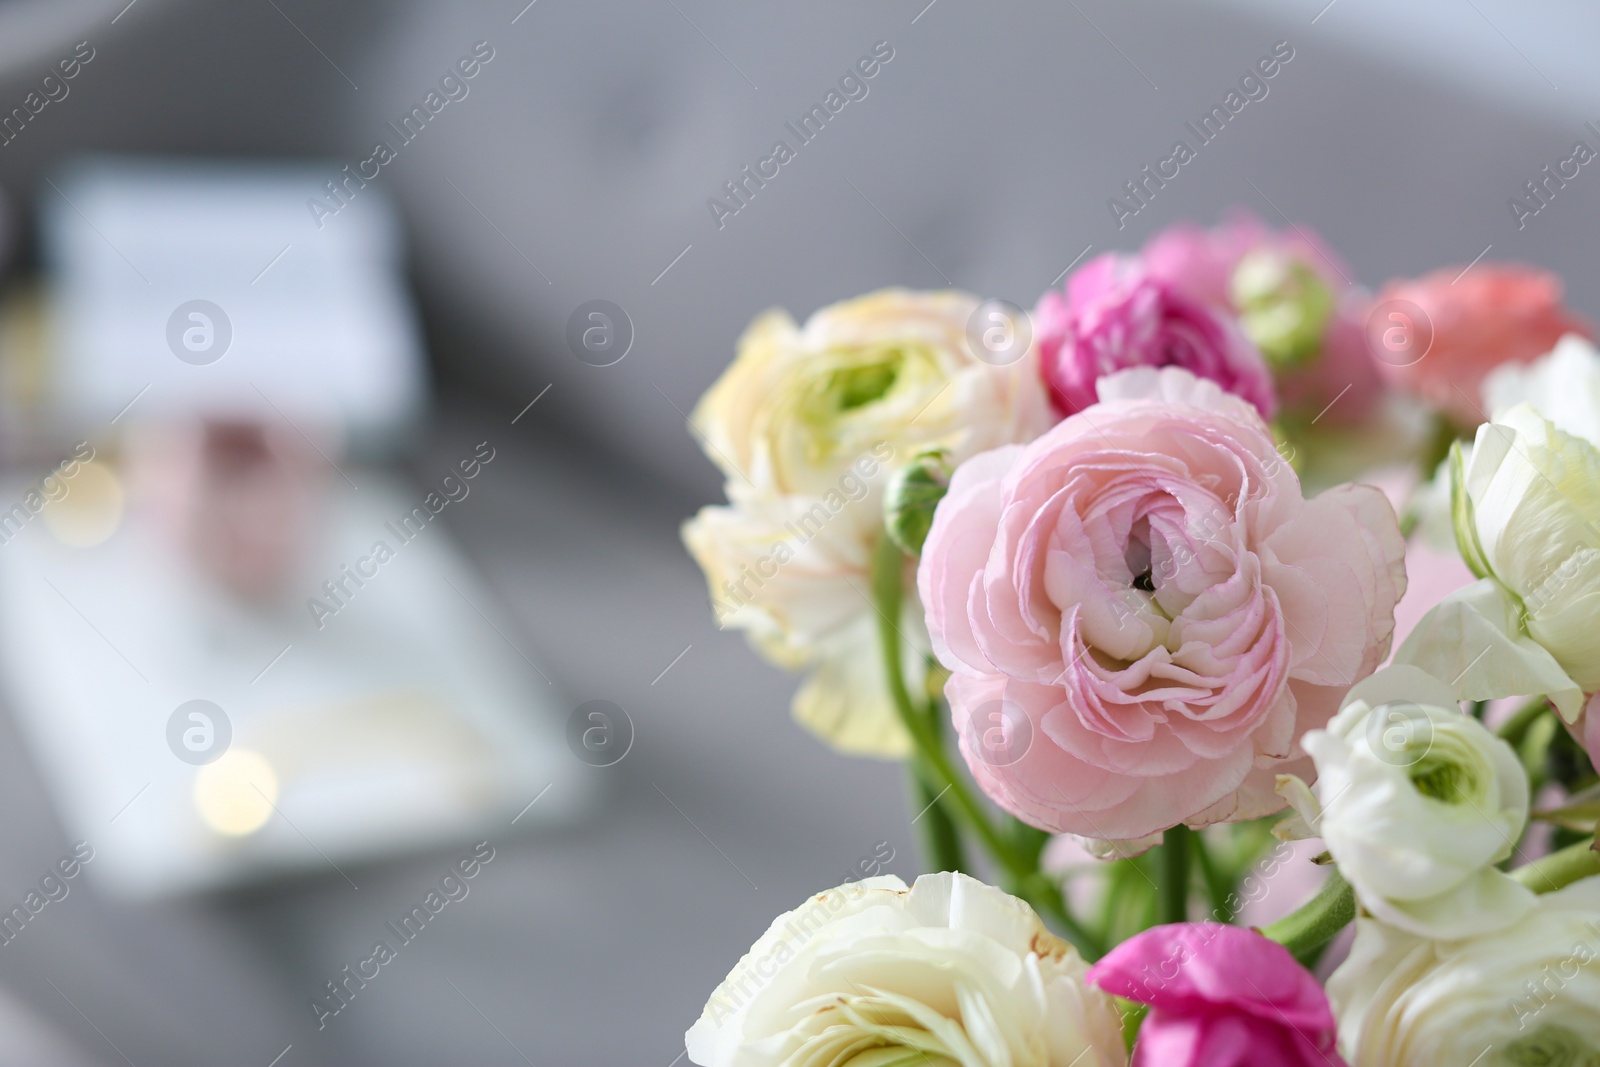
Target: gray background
(581, 163)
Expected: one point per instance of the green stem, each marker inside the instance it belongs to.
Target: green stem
(886, 593)
(1173, 906)
(1514, 728)
(1408, 522)
(1022, 872)
(941, 842)
(1219, 887)
(1306, 931)
(887, 562)
(941, 838)
(1133, 1015)
(1438, 446)
(1533, 749)
(1561, 868)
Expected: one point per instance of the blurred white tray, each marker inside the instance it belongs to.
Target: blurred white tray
(409, 719)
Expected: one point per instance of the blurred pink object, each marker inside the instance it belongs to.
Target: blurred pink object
(1283, 881)
(1434, 568)
(238, 497)
(1431, 576)
(1343, 384)
(1220, 996)
(1493, 313)
(1591, 733)
(1201, 262)
(1587, 729)
(1116, 314)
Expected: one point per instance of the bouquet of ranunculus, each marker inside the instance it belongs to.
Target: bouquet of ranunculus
(1101, 577)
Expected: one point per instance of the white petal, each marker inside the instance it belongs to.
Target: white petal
(1472, 641)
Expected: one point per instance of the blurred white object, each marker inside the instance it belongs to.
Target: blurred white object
(214, 693)
(188, 288)
(408, 719)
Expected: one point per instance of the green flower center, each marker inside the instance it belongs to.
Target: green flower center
(897, 1056)
(879, 1028)
(1444, 781)
(1550, 1046)
(849, 388)
(841, 389)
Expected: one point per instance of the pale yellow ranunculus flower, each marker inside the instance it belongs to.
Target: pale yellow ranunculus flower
(807, 424)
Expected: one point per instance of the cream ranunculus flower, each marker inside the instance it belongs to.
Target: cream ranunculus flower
(1417, 802)
(1525, 995)
(948, 973)
(1526, 510)
(807, 424)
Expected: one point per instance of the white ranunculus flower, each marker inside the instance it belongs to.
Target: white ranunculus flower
(948, 973)
(807, 424)
(1526, 510)
(1525, 995)
(1417, 802)
(1563, 386)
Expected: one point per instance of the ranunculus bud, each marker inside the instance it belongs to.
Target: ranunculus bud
(1283, 306)
(910, 497)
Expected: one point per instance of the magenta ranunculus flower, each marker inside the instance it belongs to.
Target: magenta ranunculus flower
(1142, 614)
(1220, 996)
(1115, 314)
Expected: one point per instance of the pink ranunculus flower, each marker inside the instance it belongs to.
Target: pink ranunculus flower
(1220, 996)
(1204, 265)
(1115, 314)
(1494, 313)
(1343, 387)
(1202, 261)
(1142, 614)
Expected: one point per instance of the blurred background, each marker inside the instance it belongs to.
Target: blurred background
(240, 346)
